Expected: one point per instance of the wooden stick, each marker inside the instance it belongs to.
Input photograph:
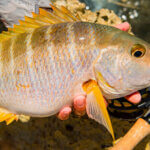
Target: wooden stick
(138, 131)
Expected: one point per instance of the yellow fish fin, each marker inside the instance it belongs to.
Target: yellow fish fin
(28, 24)
(15, 30)
(9, 34)
(43, 18)
(50, 16)
(21, 28)
(41, 21)
(56, 16)
(64, 13)
(25, 26)
(96, 107)
(9, 117)
(4, 35)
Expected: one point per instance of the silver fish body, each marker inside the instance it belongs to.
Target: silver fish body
(40, 77)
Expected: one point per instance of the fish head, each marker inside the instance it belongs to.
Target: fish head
(123, 65)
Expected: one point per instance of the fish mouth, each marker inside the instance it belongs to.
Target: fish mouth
(116, 90)
(124, 109)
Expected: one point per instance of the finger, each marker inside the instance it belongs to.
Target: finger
(64, 113)
(106, 103)
(134, 98)
(123, 26)
(80, 105)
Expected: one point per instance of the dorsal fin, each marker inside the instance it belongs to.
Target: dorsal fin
(64, 14)
(43, 18)
(65, 10)
(54, 19)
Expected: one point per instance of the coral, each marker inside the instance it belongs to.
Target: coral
(103, 16)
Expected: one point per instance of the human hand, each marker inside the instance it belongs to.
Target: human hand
(79, 105)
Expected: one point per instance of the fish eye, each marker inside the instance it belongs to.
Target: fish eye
(138, 50)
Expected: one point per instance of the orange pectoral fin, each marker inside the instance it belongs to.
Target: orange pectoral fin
(96, 106)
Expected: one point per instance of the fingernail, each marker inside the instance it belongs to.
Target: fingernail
(134, 98)
(80, 101)
(67, 110)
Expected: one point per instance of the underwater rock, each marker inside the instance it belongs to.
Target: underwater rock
(103, 16)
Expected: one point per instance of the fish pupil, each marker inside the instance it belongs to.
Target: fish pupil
(138, 54)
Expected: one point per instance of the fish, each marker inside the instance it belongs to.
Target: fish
(52, 57)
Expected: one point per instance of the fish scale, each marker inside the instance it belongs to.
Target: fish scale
(60, 85)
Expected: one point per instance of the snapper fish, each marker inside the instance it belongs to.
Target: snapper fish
(52, 57)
